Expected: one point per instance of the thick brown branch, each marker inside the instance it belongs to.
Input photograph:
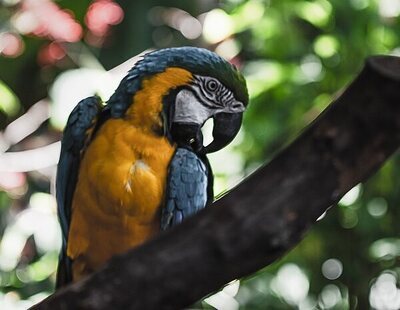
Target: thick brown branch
(263, 217)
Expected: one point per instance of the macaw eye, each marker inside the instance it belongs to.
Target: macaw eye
(211, 85)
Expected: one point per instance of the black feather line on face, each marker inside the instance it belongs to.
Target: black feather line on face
(211, 99)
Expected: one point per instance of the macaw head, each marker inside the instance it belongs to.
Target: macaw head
(191, 85)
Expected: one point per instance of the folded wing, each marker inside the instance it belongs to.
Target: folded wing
(76, 137)
(189, 187)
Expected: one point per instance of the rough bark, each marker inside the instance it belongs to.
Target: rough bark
(264, 216)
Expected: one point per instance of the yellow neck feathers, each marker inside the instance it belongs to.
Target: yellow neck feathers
(145, 111)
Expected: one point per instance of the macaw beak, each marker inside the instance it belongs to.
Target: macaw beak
(226, 127)
(189, 115)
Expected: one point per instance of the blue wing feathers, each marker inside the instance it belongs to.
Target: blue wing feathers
(75, 137)
(187, 192)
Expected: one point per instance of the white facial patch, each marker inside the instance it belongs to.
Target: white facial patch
(188, 109)
(206, 97)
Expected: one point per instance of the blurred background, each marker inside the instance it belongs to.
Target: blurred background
(295, 55)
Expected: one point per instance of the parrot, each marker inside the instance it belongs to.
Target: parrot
(136, 165)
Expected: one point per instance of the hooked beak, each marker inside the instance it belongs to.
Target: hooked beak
(226, 127)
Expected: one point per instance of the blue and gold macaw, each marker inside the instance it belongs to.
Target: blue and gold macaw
(137, 165)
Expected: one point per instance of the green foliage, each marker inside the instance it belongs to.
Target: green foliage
(296, 55)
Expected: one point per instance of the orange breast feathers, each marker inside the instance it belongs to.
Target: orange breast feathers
(122, 179)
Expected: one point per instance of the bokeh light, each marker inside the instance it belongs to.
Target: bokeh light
(101, 15)
(389, 8)
(332, 269)
(291, 283)
(316, 12)
(385, 249)
(217, 26)
(311, 69)
(11, 44)
(51, 53)
(9, 102)
(326, 46)
(45, 19)
(377, 207)
(329, 297)
(384, 293)
(11, 180)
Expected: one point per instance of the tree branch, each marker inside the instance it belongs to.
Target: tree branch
(263, 217)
